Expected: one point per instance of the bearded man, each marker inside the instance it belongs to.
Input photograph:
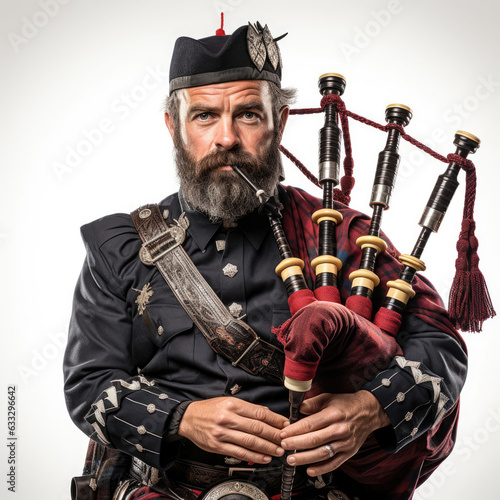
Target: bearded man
(169, 416)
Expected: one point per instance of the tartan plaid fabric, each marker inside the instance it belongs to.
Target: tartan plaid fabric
(395, 475)
(302, 235)
(146, 493)
(108, 466)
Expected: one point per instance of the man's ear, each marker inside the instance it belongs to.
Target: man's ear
(169, 122)
(284, 113)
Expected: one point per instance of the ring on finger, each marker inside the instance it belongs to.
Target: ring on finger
(329, 447)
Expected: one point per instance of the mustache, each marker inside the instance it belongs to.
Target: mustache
(224, 158)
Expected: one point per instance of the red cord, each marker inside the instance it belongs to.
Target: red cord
(470, 301)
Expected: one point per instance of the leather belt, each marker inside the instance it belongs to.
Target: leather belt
(227, 336)
(185, 475)
(201, 476)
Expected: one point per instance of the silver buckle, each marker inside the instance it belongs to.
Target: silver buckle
(177, 235)
(231, 470)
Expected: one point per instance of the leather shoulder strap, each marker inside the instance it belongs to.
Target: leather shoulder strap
(227, 336)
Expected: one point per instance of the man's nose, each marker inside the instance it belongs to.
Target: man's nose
(226, 135)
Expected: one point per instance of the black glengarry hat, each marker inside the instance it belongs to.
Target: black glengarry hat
(250, 53)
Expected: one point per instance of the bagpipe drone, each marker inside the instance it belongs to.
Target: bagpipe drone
(332, 332)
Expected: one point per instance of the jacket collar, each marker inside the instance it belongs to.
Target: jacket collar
(253, 226)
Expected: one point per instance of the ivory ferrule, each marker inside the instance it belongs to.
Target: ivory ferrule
(372, 241)
(327, 214)
(289, 267)
(400, 290)
(325, 260)
(364, 278)
(413, 262)
(297, 385)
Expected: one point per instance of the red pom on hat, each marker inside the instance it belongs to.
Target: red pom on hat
(220, 31)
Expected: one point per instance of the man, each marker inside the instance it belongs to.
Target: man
(140, 376)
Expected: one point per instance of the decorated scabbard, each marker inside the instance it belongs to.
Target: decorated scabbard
(364, 280)
(400, 291)
(326, 265)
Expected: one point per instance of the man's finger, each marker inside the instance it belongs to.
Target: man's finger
(318, 438)
(314, 422)
(256, 412)
(243, 454)
(314, 404)
(257, 428)
(328, 465)
(253, 444)
(323, 459)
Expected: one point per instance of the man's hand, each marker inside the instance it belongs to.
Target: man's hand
(343, 421)
(231, 426)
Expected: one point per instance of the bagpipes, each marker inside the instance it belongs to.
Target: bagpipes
(334, 331)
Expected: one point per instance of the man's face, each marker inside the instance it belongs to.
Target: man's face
(219, 126)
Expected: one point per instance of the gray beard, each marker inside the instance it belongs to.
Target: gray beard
(221, 194)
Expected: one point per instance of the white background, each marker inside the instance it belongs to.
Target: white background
(74, 65)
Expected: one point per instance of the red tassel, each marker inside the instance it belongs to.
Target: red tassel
(470, 302)
(220, 31)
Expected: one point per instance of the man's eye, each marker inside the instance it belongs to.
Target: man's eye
(203, 117)
(249, 115)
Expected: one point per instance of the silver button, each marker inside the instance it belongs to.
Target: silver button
(230, 270)
(235, 309)
(139, 448)
(160, 330)
(151, 408)
(400, 397)
(166, 213)
(144, 214)
(141, 429)
(163, 396)
(386, 382)
(220, 245)
(408, 416)
(414, 431)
